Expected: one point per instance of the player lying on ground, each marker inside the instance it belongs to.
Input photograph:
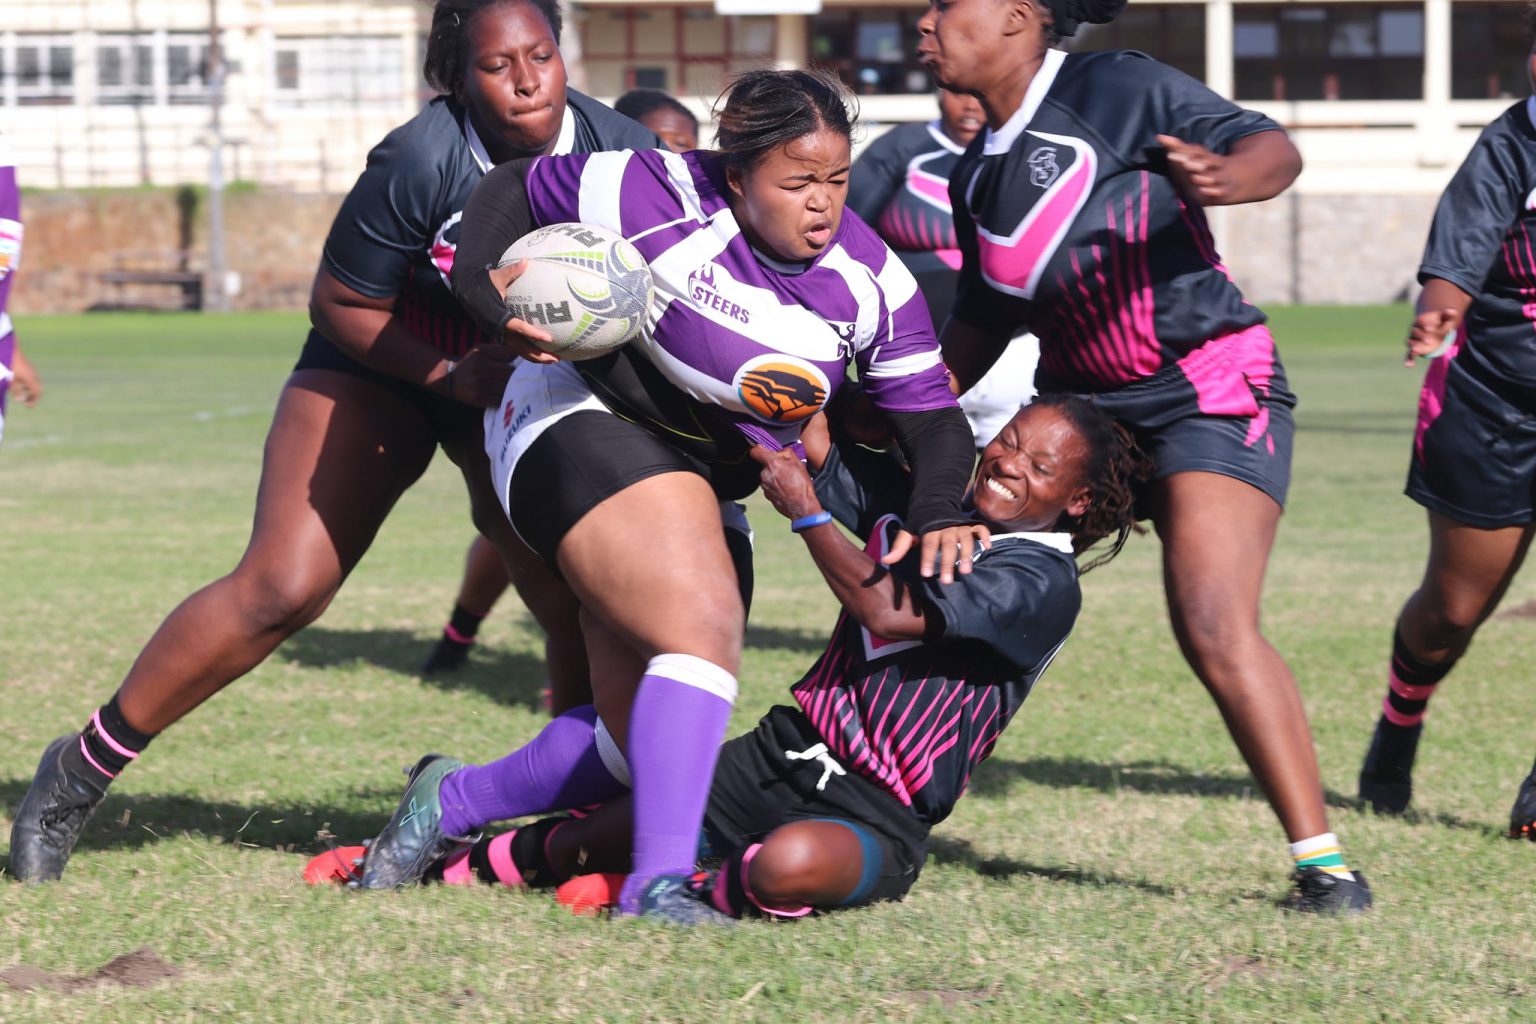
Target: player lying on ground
(830, 803)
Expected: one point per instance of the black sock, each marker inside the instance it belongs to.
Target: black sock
(1410, 686)
(108, 743)
(463, 624)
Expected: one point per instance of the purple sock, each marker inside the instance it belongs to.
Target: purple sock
(563, 767)
(675, 729)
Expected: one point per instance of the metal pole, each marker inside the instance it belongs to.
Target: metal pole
(215, 298)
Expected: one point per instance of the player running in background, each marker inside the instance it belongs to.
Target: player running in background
(393, 369)
(485, 576)
(15, 371)
(1080, 214)
(900, 186)
(1473, 466)
(829, 804)
(614, 468)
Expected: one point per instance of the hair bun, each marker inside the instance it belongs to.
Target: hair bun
(1066, 15)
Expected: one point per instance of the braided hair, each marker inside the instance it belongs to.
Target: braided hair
(1116, 471)
(765, 109)
(444, 62)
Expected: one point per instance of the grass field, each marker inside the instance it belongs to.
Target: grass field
(1113, 861)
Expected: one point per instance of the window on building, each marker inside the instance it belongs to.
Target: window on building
(152, 68)
(871, 48)
(687, 51)
(1489, 44)
(43, 67)
(1338, 52)
(1173, 33)
(315, 71)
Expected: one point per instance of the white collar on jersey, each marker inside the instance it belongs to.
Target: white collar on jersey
(936, 129)
(1530, 110)
(1002, 140)
(564, 144)
(1060, 541)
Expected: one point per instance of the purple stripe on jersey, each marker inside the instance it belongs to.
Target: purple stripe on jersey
(649, 198)
(711, 189)
(554, 187)
(655, 243)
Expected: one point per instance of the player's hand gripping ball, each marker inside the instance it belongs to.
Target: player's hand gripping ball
(585, 285)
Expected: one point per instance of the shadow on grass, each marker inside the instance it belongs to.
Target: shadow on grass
(506, 677)
(810, 641)
(133, 820)
(946, 850)
(996, 776)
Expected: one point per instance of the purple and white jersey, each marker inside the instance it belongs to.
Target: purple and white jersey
(1070, 224)
(734, 329)
(917, 716)
(10, 259)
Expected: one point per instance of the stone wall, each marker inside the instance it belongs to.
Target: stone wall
(1316, 249)
(72, 238)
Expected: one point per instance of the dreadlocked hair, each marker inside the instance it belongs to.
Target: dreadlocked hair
(444, 62)
(1117, 468)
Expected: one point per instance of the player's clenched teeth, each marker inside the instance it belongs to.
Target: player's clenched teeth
(998, 489)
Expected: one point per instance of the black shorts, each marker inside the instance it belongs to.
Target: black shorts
(446, 417)
(757, 789)
(1474, 452)
(1241, 426)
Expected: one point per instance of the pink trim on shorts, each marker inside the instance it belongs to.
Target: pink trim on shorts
(1432, 395)
(746, 887)
(499, 853)
(88, 757)
(1396, 717)
(1225, 372)
(1410, 692)
(457, 871)
(96, 721)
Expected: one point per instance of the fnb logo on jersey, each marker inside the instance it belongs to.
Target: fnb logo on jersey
(545, 313)
(703, 293)
(781, 389)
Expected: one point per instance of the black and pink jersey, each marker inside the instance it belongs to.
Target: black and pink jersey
(1482, 242)
(900, 185)
(396, 233)
(917, 716)
(1072, 227)
(737, 333)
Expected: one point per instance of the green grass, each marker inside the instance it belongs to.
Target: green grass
(1112, 863)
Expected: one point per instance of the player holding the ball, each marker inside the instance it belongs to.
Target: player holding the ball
(613, 468)
(393, 370)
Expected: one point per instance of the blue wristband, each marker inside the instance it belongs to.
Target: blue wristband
(806, 522)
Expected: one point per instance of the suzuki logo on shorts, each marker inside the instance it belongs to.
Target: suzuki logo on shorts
(1043, 170)
(703, 293)
(545, 313)
(781, 389)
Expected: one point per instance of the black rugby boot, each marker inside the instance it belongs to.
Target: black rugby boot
(53, 813)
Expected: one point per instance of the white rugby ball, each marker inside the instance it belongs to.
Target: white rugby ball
(587, 286)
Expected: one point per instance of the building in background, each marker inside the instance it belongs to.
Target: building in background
(1384, 98)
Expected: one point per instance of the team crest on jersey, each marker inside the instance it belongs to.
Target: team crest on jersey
(1043, 169)
(10, 246)
(781, 389)
(444, 244)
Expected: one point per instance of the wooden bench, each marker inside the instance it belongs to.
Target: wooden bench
(139, 269)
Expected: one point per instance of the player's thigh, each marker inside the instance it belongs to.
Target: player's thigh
(339, 454)
(1217, 532)
(1470, 568)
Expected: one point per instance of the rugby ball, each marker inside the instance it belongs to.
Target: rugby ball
(585, 285)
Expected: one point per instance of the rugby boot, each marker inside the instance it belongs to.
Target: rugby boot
(682, 900)
(413, 841)
(1522, 817)
(1318, 892)
(52, 814)
(1386, 777)
(449, 655)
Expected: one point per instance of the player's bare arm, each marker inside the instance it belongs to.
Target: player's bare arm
(1258, 167)
(877, 600)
